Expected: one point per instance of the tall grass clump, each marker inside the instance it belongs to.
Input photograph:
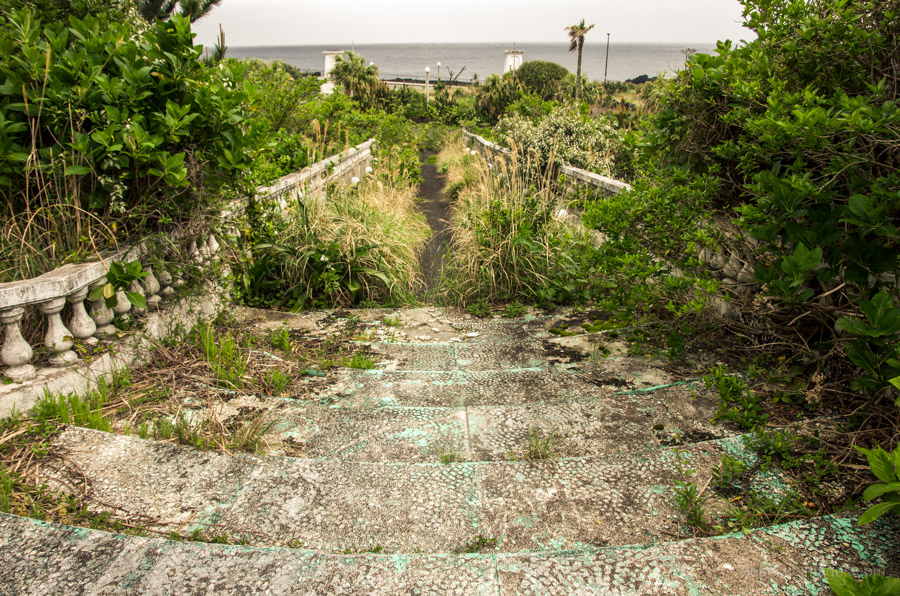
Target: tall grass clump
(507, 240)
(357, 245)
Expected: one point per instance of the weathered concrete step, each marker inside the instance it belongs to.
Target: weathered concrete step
(39, 559)
(621, 499)
(542, 384)
(487, 354)
(596, 423)
(405, 325)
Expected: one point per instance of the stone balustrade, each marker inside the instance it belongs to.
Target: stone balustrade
(310, 182)
(48, 294)
(574, 176)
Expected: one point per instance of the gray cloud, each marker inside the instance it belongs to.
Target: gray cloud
(292, 22)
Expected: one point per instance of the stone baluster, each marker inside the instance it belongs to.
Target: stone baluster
(166, 282)
(59, 338)
(103, 315)
(151, 287)
(16, 353)
(123, 305)
(81, 324)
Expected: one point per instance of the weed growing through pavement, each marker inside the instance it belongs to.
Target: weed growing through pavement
(360, 360)
(687, 495)
(514, 309)
(538, 445)
(280, 339)
(478, 544)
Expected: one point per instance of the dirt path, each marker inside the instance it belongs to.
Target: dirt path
(437, 214)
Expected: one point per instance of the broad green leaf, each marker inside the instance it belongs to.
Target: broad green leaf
(137, 299)
(876, 511)
(876, 490)
(842, 583)
(880, 463)
(77, 170)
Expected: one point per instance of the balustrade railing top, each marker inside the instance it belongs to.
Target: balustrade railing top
(576, 175)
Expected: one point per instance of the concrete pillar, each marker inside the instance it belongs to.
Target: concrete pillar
(330, 61)
(513, 60)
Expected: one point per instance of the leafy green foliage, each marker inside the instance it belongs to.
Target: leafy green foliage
(886, 467)
(100, 121)
(876, 350)
(119, 277)
(845, 584)
(540, 77)
(728, 471)
(736, 402)
(794, 133)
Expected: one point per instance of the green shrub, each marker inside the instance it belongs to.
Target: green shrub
(113, 129)
(540, 77)
(564, 137)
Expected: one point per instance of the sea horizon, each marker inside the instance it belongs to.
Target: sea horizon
(408, 60)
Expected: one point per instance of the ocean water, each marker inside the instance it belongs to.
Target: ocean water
(626, 60)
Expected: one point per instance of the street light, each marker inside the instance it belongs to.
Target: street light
(427, 70)
(606, 68)
(439, 72)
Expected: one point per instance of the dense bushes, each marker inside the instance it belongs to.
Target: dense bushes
(540, 78)
(100, 121)
(792, 136)
(563, 137)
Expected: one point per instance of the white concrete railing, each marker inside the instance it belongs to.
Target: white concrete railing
(574, 175)
(343, 167)
(70, 284)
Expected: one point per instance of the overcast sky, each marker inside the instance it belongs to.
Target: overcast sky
(304, 22)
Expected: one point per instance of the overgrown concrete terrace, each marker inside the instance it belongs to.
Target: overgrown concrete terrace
(477, 456)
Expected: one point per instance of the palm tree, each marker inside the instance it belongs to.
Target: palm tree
(157, 10)
(576, 37)
(352, 74)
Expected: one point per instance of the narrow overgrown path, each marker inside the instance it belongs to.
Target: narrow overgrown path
(437, 214)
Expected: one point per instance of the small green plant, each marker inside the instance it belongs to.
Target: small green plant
(886, 467)
(478, 544)
(728, 471)
(844, 584)
(541, 445)
(447, 452)
(736, 402)
(756, 510)
(225, 357)
(771, 446)
(189, 431)
(143, 430)
(163, 429)
(392, 322)
(119, 277)
(249, 436)
(72, 409)
(360, 360)
(687, 496)
(481, 308)
(514, 309)
(276, 381)
(280, 339)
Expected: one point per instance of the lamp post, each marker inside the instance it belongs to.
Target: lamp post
(427, 70)
(606, 68)
(439, 72)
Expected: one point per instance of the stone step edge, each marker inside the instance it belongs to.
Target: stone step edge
(733, 444)
(844, 520)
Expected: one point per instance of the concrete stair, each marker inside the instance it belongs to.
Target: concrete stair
(354, 498)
